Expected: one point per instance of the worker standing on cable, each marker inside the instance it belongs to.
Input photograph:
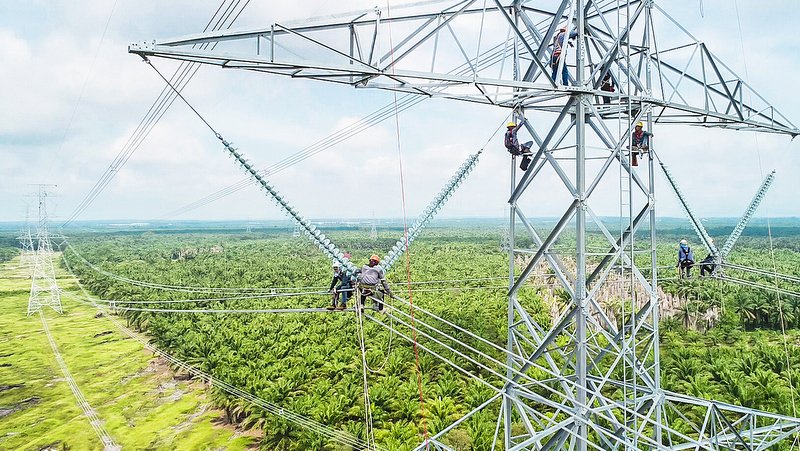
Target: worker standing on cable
(514, 147)
(558, 47)
(640, 143)
(708, 264)
(685, 259)
(370, 277)
(340, 288)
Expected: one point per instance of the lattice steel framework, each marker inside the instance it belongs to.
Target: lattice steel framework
(44, 289)
(586, 381)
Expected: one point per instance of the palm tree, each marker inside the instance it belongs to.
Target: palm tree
(744, 307)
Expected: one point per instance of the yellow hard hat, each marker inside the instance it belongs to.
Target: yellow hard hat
(640, 124)
(511, 124)
(375, 257)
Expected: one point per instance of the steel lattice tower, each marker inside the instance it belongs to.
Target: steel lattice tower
(44, 289)
(585, 381)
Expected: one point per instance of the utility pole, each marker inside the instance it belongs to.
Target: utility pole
(44, 289)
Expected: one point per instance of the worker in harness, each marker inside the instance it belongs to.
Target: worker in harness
(370, 276)
(340, 288)
(607, 85)
(514, 147)
(558, 46)
(685, 259)
(640, 143)
(708, 265)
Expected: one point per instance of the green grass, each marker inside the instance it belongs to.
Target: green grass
(135, 395)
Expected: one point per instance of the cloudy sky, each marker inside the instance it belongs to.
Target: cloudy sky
(71, 98)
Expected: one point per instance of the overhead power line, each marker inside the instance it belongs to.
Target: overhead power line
(387, 111)
(224, 17)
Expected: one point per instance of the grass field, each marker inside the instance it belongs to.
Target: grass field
(136, 396)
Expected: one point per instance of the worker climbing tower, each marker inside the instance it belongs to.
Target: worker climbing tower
(584, 381)
(44, 289)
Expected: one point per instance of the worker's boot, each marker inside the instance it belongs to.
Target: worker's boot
(526, 160)
(341, 307)
(331, 307)
(634, 159)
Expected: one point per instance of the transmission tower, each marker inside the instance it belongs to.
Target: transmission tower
(584, 381)
(44, 289)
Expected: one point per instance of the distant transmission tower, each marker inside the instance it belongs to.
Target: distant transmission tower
(44, 289)
(373, 233)
(297, 231)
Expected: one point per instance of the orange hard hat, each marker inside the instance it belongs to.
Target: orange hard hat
(375, 257)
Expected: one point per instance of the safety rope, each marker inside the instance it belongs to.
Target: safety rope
(388, 352)
(417, 366)
(769, 235)
(369, 433)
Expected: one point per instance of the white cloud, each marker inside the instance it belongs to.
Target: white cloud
(50, 46)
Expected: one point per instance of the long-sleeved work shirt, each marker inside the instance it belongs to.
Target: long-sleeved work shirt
(558, 42)
(641, 138)
(373, 275)
(340, 278)
(511, 141)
